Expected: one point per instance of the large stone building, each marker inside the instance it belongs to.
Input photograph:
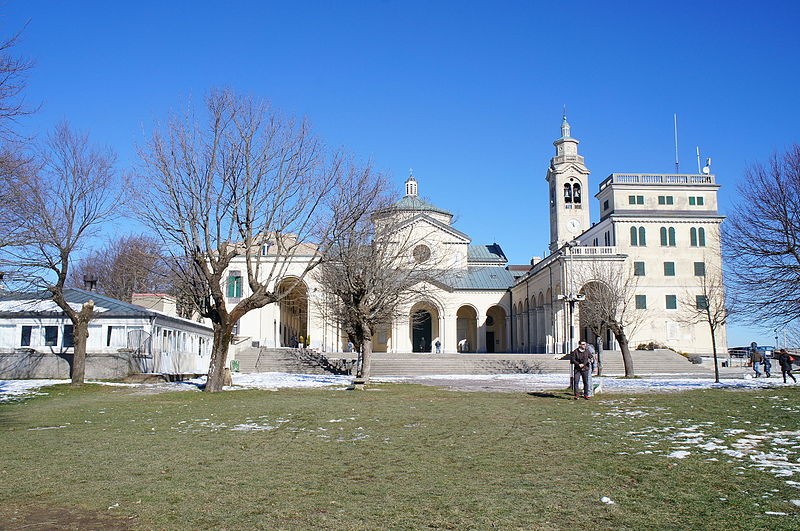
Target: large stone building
(662, 230)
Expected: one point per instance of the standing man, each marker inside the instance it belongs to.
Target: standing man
(757, 358)
(581, 360)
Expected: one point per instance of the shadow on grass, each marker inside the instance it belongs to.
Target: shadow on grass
(543, 394)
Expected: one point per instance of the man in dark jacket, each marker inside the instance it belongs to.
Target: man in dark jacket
(581, 359)
(785, 361)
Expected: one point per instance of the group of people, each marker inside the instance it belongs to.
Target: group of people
(759, 359)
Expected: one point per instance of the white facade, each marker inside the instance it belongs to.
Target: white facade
(487, 306)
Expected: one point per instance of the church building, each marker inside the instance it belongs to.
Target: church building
(660, 229)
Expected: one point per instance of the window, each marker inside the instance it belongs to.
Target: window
(51, 336)
(701, 301)
(667, 236)
(25, 340)
(576, 193)
(235, 284)
(607, 239)
(605, 204)
(638, 237)
(68, 341)
(696, 200)
(672, 302)
(567, 193)
(669, 269)
(422, 253)
(665, 200)
(697, 237)
(638, 269)
(699, 269)
(635, 199)
(641, 302)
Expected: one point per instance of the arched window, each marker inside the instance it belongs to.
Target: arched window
(567, 193)
(671, 236)
(576, 193)
(638, 238)
(663, 232)
(697, 237)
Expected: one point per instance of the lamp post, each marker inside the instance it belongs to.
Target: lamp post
(570, 296)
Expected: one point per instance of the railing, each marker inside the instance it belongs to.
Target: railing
(656, 178)
(593, 251)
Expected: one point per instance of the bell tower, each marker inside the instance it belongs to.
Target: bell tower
(568, 178)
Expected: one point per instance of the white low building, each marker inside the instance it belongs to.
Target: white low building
(36, 337)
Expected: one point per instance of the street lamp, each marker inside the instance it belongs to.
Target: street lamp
(569, 292)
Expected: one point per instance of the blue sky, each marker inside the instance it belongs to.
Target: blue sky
(468, 94)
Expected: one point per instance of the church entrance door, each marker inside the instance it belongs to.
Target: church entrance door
(421, 331)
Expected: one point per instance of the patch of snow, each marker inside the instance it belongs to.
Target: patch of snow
(680, 454)
(607, 500)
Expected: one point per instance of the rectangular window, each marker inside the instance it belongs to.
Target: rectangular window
(631, 199)
(25, 340)
(605, 204)
(696, 200)
(639, 199)
(672, 302)
(641, 302)
(701, 301)
(699, 269)
(51, 336)
(67, 341)
(665, 200)
(235, 285)
(669, 269)
(638, 269)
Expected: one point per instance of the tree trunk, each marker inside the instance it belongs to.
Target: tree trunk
(219, 356)
(366, 355)
(627, 360)
(714, 350)
(80, 336)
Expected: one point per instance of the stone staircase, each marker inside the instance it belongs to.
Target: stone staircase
(414, 364)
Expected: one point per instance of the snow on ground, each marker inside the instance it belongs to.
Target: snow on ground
(11, 390)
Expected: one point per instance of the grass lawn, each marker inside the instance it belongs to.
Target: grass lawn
(400, 457)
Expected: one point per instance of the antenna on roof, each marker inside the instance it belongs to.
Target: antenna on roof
(698, 159)
(707, 167)
(677, 164)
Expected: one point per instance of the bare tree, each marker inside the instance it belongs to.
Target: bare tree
(62, 206)
(124, 266)
(375, 267)
(762, 239)
(706, 304)
(240, 181)
(13, 81)
(15, 164)
(610, 288)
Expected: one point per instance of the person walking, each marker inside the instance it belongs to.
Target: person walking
(581, 360)
(438, 346)
(768, 363)
(756, 358)
(785, 360)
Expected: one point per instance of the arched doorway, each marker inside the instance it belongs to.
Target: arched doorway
(495, 327)
(293, 305)
(424, 324)
(467, 329)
